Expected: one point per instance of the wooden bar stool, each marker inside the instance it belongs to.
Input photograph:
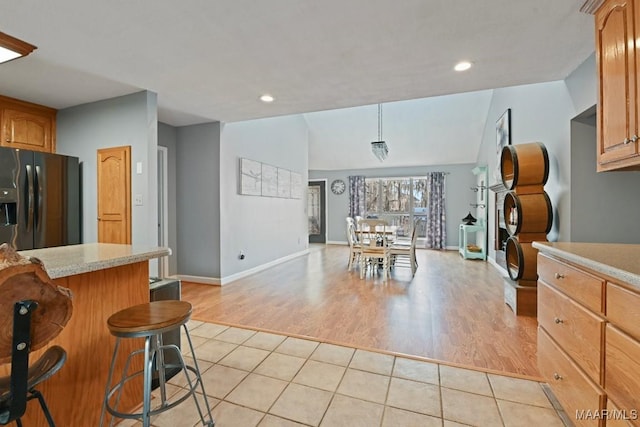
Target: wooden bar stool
(33, 311)
(150, 321)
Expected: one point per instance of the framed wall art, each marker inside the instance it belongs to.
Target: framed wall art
(250, 177)
(261, 179)
(503, 138)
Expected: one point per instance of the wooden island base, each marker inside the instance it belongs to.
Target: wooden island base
(74, 394)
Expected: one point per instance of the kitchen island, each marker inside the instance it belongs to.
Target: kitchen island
(103, 278)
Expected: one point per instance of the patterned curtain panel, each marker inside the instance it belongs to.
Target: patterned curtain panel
(436, 223)
(356, 196)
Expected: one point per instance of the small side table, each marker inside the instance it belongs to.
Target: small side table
(463, 235)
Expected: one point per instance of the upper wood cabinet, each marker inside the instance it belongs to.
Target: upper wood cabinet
(27, 126)
(618, 120)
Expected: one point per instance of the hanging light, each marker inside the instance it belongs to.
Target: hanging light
(379, 147)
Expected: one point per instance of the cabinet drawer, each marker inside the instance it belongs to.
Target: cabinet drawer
(623, 309)
(622, 376)
(574, 390)
(579, 285)
(578, 331)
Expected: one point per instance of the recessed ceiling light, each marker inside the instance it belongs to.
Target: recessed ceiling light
(462, 66)
(267, 98)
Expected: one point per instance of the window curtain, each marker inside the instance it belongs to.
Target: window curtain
(356, 196)
(436, 221)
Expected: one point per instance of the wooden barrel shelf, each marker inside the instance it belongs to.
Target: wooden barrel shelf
(524, 169)
(524, 165)
(521, 261)
(527, 213)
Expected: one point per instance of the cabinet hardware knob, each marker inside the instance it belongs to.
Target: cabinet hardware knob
(558, 320)
(634, 138)
(559, 276)
(557, 376)
(626, 141)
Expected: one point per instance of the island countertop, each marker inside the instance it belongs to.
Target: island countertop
(64, 261)
(616, 260)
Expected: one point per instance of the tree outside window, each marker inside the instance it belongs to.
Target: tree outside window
(399, 200)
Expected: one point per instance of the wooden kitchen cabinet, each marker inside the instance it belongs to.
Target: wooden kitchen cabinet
(588, 336)
(27, 126)
(618, 116)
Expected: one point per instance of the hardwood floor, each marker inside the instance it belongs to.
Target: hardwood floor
(451, 311)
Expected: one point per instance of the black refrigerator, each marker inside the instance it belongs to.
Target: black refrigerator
(39, 199)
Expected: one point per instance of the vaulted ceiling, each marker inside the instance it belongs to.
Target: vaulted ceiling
(211, 60)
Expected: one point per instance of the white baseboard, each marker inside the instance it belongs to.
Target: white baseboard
(199, 279)
(336, 242)
(232, 278)
(498, 267)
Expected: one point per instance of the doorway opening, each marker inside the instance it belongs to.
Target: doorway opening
(163, 209)
(316, 211)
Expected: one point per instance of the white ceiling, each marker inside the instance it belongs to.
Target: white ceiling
(210, 60)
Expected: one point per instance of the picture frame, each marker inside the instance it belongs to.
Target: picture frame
(250, 177)
(503, 138)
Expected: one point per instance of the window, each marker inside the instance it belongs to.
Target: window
(399, 200)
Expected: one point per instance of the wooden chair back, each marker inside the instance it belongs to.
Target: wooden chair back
(370, 229)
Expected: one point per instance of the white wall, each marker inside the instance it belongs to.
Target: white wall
(542, 112)
(126, 120)
(265, 229)
(167, 137)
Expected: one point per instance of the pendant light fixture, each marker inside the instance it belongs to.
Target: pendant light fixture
(379, 147)
(12, 48)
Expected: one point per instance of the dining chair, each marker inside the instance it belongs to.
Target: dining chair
(403, 249)
(355, 249)
(375, 250)
(33, 311)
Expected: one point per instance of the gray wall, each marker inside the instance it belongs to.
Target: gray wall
(167, 137)
(126, 120)
(458, 195)
(198, 200)
(582, 85)
(603, 205)
(264, 228)
(539, 112)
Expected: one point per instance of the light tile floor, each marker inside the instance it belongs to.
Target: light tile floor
(263, 379)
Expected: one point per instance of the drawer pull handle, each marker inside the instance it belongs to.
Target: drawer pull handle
(559, 276)
(558, 320)
(557, 376)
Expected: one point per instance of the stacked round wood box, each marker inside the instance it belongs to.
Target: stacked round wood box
(528, 216)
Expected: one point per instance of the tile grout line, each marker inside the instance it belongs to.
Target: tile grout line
(390, 376)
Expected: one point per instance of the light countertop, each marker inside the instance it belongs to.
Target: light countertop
(63, 261)
(616, 260)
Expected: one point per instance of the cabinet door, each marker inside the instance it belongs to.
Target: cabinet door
(617, 77)
(622, 375)
(27, 130)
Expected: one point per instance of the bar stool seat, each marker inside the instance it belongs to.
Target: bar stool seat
(151, 320)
